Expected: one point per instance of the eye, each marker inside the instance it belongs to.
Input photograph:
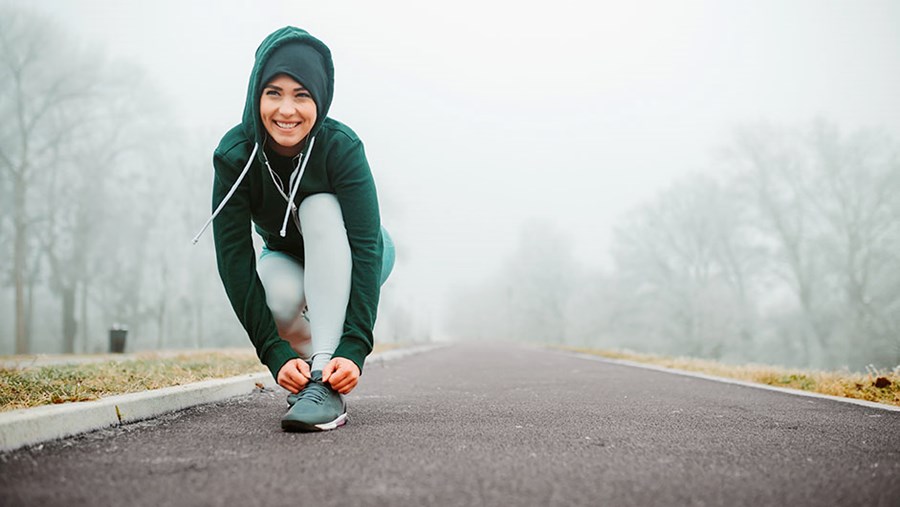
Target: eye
(304, 95)
(272, 93)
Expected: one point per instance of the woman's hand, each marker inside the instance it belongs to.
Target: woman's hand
(342, 374)
(294, 375)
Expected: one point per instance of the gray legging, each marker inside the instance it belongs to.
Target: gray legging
(323, 287)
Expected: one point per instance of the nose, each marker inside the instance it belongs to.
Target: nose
(286, 108)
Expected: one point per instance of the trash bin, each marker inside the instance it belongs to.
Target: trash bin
(117, 335)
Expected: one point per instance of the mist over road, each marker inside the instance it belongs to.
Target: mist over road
(471, 425)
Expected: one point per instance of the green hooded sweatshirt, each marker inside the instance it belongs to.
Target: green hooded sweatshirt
(335, 164)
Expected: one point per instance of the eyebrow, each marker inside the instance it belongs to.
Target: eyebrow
(298, 89)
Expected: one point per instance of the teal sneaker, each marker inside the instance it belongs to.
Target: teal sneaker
(317, 407)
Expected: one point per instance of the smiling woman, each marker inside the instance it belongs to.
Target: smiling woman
(288, 112)
(309, 304)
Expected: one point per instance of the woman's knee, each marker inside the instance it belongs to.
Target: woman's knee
(282, 280)
(285, 303)
(320, 214)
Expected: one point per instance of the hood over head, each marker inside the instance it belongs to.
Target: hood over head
(298, 54)
(294, 52)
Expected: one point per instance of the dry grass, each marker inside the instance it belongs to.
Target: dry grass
(874, 385)
(32, 386)
(43, 385)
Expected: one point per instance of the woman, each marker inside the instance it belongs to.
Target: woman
(302, 178)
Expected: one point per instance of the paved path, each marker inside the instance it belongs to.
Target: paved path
(475, 426)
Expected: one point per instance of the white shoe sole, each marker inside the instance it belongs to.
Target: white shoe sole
(340, 421)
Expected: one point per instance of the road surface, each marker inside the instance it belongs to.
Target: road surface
(473, 425)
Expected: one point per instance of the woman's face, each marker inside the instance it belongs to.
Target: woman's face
(288, 112)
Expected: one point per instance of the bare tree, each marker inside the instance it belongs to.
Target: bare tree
(539, 280)
(39, 73)
(774, 172)
(194, 274)
(789, 254)
(529, 297)
(826, 205)
(684, 264)
(74, 174)
(857, 194)
(80, 215)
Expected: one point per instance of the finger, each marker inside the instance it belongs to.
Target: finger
(295, 374)
(343, 389)
(338, 377)
(347, 387)
(344, 381)
(328, 369)
(304, 368)
(291, 375)
(284, 379)
(288, 384)
(337, 384)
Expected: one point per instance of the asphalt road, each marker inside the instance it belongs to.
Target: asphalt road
(486, 426)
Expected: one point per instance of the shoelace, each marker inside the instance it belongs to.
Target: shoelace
(315, 391)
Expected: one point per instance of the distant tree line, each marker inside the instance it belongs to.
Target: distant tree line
(788, 253)
(99, 189)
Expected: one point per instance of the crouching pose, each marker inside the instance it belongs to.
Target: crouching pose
(309, 302)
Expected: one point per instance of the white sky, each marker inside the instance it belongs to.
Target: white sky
(482, 116)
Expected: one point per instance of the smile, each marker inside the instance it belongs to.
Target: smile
(286, 126)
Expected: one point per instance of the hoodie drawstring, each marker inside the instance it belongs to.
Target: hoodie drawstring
(228, 195)
(294, 186)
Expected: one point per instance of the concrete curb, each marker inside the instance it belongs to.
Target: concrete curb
(29, 426)
(726, 380)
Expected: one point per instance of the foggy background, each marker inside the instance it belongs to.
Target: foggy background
(718, 179)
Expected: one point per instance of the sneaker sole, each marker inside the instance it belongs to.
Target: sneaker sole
(305, 427)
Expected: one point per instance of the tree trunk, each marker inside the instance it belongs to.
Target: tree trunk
(199, 325)
(22, 342)
(162, 308)
(29, 311)
(69, 324)
(85, 336)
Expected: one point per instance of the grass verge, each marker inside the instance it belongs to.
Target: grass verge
(881, 386)
(32, 386)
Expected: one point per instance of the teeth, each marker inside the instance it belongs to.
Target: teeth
(287, 125)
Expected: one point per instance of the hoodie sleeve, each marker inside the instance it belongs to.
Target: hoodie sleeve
(236, 260)
(354, 187)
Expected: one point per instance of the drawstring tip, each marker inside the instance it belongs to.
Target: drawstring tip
(224, 200)
(197, 237)
(283, 232)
